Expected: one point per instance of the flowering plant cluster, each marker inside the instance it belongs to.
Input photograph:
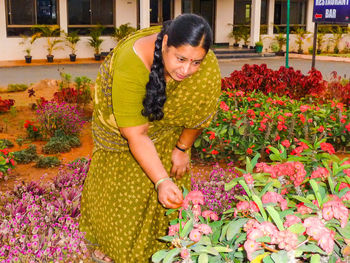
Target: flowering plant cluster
(274, 221)
(191, 234)
(6, 163)
(5, 105)
(216, 198)
(285, 81)
(247, 125)
(338, 89)
(54, 116)
(39, 223)
(33, 132)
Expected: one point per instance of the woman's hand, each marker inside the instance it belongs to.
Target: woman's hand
(169, 195)
(181, 163)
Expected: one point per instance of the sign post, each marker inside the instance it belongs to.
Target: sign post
(287, 35)
(329, 12)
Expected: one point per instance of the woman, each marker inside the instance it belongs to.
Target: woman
(155, 92)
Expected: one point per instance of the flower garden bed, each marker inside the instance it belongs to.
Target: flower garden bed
(280, 125)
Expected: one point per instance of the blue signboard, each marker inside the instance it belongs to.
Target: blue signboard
(331, 11)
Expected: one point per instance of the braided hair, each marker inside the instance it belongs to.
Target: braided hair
(185, 29)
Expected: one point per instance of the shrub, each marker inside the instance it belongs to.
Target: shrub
(6, 163)
(4, 143)
(61, 143)
(54, 116)
(33, 132)
(5, 105)
(47, 162)
(26, 156)
(285, 81)
(338, 89)
(17, 87)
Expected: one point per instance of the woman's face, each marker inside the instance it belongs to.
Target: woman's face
(181, 62)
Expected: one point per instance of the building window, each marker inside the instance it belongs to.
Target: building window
(23, 14)
(243, 12)
(297, 17)
(84, 14)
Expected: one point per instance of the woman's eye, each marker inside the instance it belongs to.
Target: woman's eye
(181, 59)
(197, 63)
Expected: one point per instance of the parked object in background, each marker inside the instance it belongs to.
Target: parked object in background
(95, 40)
(52, 35)
(72, 39)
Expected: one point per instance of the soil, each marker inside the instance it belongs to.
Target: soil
(11, 128)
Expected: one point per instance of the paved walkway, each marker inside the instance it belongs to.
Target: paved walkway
(34, 73)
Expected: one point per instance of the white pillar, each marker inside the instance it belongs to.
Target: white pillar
(255, 22)
(3, 16)
(144, 13)
(177, 8)
(224, 16)
(270, 16)
(309, 12)
(63, 15)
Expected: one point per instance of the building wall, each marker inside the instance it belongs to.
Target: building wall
(224, 16)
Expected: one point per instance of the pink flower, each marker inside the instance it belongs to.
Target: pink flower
(346, 197)
(224, 106)
(321, 172)
(327, 147)
(314, 227)
(204, 228)
(196, 197)
(286, 143)
(248, 178)
(291, 220)
(210, 214)
(287, 240)
(185, 253)
(304, 108)
(273, 197)
(245, 206)
(270, 230)
(326, 241)
(336, 209)
(302, 209)
(173, 229)
(250, 247)
(195, 235)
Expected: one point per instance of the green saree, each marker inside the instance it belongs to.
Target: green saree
(119, 209)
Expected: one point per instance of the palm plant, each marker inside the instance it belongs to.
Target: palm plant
(52, 35)
(281, 41)
(95, 40)
(122, 31)
(235, 34)
(245, 34)
(72, 39)
(301, 35)
(27, 42)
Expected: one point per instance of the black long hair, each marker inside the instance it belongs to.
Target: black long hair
(185, 29)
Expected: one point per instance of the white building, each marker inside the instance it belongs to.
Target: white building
(18, 16)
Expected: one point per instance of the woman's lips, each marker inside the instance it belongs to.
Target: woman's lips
(180, 76)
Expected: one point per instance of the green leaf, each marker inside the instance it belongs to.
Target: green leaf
(221, 249)
(255, 160)
(266, 188)
(264, 239)
(306, 201)
(241, 129)
(197, 143)
(245, 187)
(312, 248)
(341, 168)
(280, 257)
(275, 217)
(316, 190)
(297, 228)
(210, 250)
(345, 232)
(275, 150)
(268, 259)
(315, 258)
(187, 228)
(159, 255)
(170, 211)
(167, 238)
(205, 240)
(257, 200)
(203, 258)
(224, 232)
(234, 227)
(331, 184)
(248, 165)
(230, 185)
(170, 255)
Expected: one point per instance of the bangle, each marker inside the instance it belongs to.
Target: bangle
(180, 149)
(161, 181)
(184, 146)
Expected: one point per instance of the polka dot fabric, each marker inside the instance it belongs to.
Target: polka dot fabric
(120, 210)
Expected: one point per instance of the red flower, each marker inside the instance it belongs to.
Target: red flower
(320, 129)
(327, 147)
(214, 152)
(348, 127)
(249, 151)
(212, 135)
(224, 106)
(204, 150)
(286, 143)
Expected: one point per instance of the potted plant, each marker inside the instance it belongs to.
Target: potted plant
(72, 39)
(259, 46)
(95, 41)
(301, 35)
(245, 33)
(337, 36)
(281, 41)
(235, 34)
(27, 42)
(52, 34)
(122, 31)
